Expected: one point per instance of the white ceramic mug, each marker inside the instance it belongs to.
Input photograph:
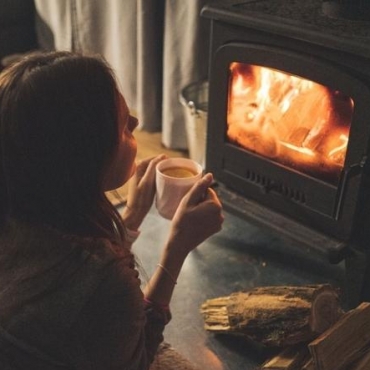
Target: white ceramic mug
(174, 178)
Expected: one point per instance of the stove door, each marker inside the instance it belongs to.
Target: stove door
(289, 131)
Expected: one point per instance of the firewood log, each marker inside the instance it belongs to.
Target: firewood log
(309, 365)
(274, 315)
(291, 358)
(362, 364)
(347, 341)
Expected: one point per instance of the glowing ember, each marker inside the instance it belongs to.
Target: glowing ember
(298, 149)
(292, 120)
(340, 148)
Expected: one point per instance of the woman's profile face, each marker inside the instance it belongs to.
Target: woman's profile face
(123, 165)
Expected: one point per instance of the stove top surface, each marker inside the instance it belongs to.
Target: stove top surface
(299, 18)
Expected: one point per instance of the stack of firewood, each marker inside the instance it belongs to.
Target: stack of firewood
(306, 322)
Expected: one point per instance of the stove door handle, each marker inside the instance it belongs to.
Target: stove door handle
(350, 172)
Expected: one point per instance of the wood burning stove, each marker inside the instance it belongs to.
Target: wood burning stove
(288, 120)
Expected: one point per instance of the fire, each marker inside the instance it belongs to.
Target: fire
(292, 120)
(339, 148)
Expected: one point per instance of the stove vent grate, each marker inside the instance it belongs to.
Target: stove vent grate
(269, 185)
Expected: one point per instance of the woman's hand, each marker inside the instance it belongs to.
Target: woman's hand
(198, 216)
(141, 191)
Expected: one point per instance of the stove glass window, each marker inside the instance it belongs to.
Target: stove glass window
(288, 119)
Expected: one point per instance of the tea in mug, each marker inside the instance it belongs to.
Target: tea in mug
(179, 172)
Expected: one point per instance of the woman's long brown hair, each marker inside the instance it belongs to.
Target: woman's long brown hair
(58, 132)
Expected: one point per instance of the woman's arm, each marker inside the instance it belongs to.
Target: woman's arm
(198, 216)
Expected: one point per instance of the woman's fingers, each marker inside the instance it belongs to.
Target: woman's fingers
(199, 191)
(148, 167)
(148, 164)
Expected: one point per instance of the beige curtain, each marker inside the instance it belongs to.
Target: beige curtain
(156, 47)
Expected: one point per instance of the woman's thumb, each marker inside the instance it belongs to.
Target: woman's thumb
(199, 190)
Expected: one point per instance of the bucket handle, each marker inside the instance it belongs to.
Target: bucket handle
(193, 109)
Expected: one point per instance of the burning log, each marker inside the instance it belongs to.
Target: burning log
(275, 315)
(292, 120)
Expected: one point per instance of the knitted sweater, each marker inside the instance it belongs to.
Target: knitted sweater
(72, 303)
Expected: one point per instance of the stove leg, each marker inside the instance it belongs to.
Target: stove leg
(357, 282)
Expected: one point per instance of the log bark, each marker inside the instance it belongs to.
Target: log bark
(274, 315)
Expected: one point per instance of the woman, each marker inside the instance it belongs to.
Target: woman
(70, 295)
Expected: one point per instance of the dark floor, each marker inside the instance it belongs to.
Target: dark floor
(240, 257)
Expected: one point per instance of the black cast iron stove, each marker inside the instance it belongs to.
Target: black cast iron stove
(289, 122)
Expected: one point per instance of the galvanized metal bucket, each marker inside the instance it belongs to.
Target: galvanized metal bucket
(194, 98)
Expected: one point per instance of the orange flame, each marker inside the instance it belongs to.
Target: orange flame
(292, 120)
